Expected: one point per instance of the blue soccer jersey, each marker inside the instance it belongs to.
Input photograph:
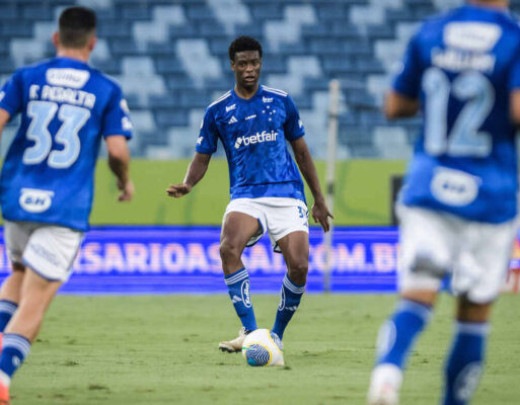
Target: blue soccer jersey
(462, 66)
(254, 133)
(66, 107)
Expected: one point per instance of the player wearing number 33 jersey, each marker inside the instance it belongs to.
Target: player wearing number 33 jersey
(65, 106)
(465, 161)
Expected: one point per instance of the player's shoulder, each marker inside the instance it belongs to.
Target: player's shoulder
(274, 92)
(221, 100)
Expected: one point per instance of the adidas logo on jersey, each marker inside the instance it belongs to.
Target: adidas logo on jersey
(232, 120)
(259, 137)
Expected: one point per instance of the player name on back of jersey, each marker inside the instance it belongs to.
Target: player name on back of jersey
(63, 87)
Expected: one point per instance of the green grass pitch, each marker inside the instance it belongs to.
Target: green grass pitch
(163, 350)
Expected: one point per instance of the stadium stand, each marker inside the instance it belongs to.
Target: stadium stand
(170, 57)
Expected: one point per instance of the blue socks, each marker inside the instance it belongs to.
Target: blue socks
(238, 288)
(397, 335)
(464, 364)
(7, 309)
(15, 349)
(291, 295)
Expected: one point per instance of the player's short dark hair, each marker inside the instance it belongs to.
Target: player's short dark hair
(244, 43)
(76, 24)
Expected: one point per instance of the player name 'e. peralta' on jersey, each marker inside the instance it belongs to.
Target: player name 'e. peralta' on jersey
(465, 160)
(66, 107)
(254, 134)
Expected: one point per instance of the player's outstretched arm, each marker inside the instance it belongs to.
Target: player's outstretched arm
(196, 171)
(119, 162)
(320, 212)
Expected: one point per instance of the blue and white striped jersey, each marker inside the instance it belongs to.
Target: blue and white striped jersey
(463, 65)
(66, 107)
(254, 134)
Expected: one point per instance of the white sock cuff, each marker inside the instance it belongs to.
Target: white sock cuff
(292, 287)
(472, 328)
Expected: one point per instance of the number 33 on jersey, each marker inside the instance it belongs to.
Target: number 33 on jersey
(66, 108)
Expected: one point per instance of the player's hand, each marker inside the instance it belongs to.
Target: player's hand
(127, 190)
(178, 190)
(321, 214)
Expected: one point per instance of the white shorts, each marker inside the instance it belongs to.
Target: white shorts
(276, 216)
(48, 250)
(434, 244)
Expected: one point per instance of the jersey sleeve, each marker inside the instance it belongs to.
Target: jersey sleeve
(116, 120)
(293, 126)
(11, 94)
(208, 135)
(514, 78)
(408, 80)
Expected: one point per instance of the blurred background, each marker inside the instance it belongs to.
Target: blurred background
(170, 57)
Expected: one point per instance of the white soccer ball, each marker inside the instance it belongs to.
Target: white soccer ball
(262, 348)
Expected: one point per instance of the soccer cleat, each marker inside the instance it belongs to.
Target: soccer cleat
(384, 395)
(277, 340)
(384, 385)
(4, 394)
(234, 345)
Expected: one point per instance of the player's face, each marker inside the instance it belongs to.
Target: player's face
(247, 67)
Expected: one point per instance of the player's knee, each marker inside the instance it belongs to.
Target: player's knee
(298, 272)
(230, 250)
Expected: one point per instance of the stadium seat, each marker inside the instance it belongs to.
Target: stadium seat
(392, 142)
(230, 20)
(157, 28)
(8, 11)
(140, 79)
(288, 30)
(27, 50)
(171, 58)
(197, 60)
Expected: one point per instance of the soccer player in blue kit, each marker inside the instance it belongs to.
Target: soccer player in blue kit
(254, 123)
(459, 201)
(46, 185)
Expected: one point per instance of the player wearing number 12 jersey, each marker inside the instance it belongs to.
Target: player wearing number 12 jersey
(46, 185)
(459, 201)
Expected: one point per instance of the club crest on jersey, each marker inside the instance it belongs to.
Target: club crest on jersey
(259, 137)
(34, 200)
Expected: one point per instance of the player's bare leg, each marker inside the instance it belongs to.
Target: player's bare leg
(10, 296)
(238, 228)
(36, 295)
